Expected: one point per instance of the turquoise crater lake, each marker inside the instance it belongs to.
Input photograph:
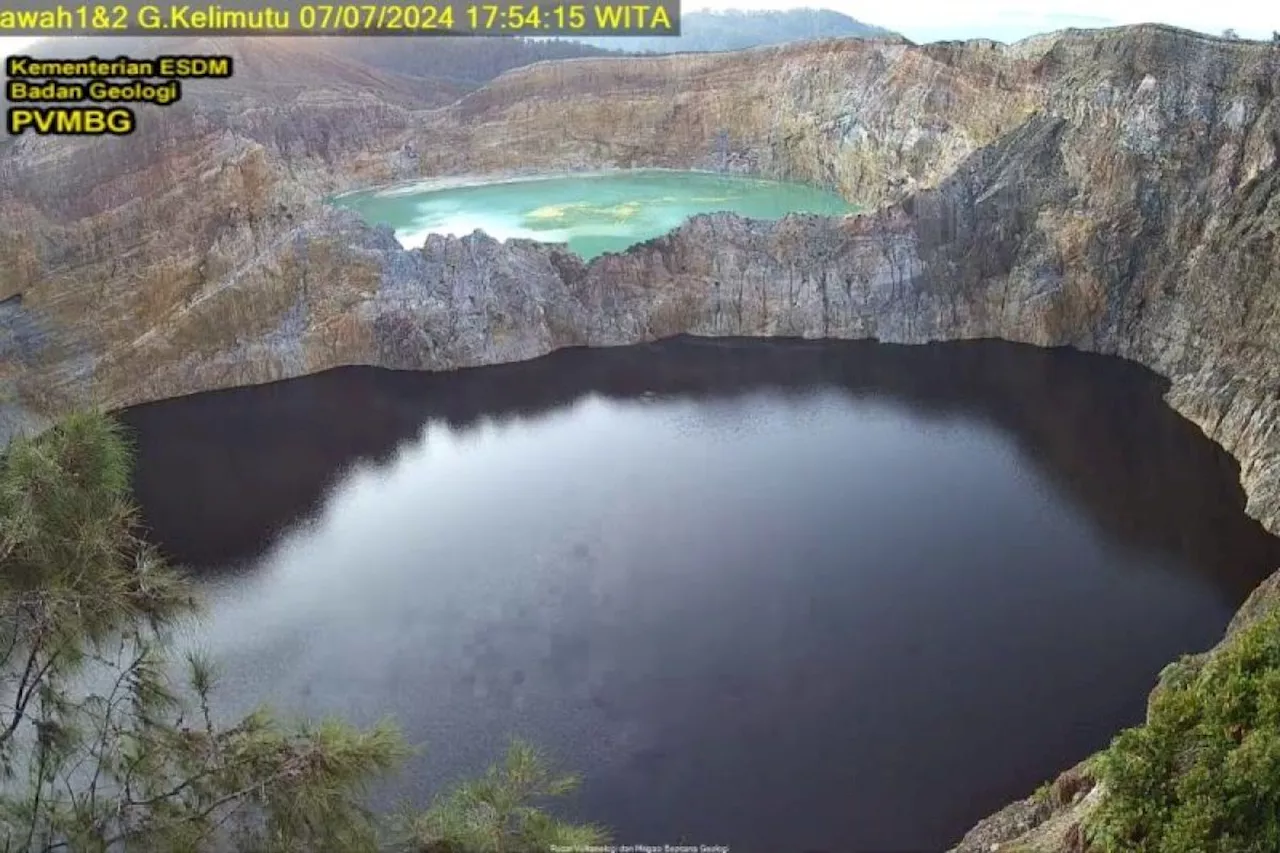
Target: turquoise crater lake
(593, 213)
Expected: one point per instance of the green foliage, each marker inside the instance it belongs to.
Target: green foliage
(100, 743)
(1203, 774)
(496, 813)
(108, 744)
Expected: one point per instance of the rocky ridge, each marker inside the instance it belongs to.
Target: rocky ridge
(1114, 191)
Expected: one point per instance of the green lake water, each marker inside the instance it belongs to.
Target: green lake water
(593, 213)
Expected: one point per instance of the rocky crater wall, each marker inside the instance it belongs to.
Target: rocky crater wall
(1115, 191)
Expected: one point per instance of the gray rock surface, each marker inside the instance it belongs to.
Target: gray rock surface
(1114, 191)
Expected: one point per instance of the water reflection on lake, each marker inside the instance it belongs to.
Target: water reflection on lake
(781, 596)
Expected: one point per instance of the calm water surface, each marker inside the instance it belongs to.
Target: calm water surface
(779, 596)
(593, 213)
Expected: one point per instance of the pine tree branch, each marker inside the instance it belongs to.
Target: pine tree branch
(196, 817)
(13, 639)
(35, 805)
(26, 690)
(106, 729)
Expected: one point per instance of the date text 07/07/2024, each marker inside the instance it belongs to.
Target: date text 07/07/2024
(388, 16)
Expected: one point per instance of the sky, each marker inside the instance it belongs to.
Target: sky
(1006, 20)
(1010, 20)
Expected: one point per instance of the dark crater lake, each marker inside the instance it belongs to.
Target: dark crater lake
(781, 596)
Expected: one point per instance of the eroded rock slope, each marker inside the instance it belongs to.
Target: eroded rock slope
(1115, 191)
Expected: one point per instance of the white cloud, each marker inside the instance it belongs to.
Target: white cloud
(14, 44)
(929, 20)
(932, 20)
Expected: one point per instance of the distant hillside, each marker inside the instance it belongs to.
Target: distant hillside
(410, 72)
(735, 30)
(272, 70)
(469, 61)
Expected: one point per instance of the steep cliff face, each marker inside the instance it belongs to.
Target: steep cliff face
(871, 119)
(236, 174)
(1115, 191)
